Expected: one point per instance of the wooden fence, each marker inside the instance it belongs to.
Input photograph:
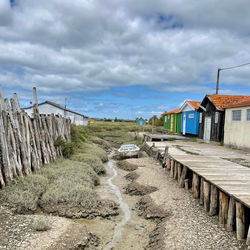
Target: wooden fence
(26, 143)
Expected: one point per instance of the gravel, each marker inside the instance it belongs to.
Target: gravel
(189, 226)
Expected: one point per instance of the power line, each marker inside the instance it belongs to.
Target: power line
(218, 73)
(233, 67)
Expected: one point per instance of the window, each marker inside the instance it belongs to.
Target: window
(248, 114)
(236, 115)
(191, 116)
(165, 118)
(200, 118)
(216, 117)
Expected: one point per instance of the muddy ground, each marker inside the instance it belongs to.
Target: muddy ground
(165, 217)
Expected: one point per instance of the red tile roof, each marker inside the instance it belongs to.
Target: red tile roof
(175, 111)
(194, 104)
(244, 102)
(221, 101)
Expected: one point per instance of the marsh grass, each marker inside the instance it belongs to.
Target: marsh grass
(41, 224)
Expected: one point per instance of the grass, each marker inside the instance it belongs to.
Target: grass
(68, 181)
(41, 225)
(117, 132)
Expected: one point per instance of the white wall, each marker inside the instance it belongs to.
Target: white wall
(49, 109)
(237, 133)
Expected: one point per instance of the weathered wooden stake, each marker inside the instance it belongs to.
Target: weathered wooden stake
(206, 195)
(231, 215)
(213, 201)
(248, 237)
(179, 172)
(196, 186)
(186, 184)
(175, 170)
(172, 168)
(223, 208)
(183, 176)
(240, 221)
(202, 191)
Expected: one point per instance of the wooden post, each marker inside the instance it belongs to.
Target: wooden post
(213, 201)
(223, 208)
(172, 168)
(183, 176)
(202, 191)
(186, 184)
(196, 186)
(175, 170)
(169, 163)
(179, 172)
(240, 221)
(231, 215)
(206, 195)
(248, 237)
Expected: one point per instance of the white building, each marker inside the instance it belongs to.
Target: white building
(56, 109)
(237, 124)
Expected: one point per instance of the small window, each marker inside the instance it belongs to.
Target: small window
(248, 114)
(191, 116)
(216, 117)
(236, 115)
(200, 118)
(165, 118)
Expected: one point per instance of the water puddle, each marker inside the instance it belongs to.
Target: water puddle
(124, 206)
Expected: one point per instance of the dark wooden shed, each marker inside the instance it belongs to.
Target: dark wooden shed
(212, 116)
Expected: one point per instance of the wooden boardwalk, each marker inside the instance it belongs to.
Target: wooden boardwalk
(222, 186)
(162, 137)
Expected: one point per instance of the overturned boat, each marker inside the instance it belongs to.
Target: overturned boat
(128, 151)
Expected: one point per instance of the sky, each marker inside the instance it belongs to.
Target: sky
(125, 58)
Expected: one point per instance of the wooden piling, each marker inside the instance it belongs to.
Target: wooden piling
(183, 176)
(202, 191)
(206, 195)
(196, 186)
(240, 221)
(231, 215)
(172, 168)
(175, 171)
(223, 208)
(179, 166)
(214, 204)
(186, 184)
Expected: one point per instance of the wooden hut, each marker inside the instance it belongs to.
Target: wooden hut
(237, 124)
(141, 122)
(172, 121)
(212, 116)
(190, 117)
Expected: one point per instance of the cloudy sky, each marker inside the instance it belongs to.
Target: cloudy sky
(123, 58)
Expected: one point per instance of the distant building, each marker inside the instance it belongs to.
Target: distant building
(141, 121)
(190, 117)
(237, 124)
(56, 109)
(172, 121)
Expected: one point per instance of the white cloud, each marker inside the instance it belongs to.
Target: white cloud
(86, 45)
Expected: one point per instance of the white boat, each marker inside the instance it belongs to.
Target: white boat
(129, 150)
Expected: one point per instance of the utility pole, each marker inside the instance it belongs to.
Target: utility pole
(153, 123)
(220, 69)
(218, 79)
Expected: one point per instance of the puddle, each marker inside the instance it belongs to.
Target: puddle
(123, 205)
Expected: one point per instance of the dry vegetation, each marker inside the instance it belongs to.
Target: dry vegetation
(66, 181)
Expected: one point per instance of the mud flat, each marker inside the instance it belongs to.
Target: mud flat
(125, 231)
